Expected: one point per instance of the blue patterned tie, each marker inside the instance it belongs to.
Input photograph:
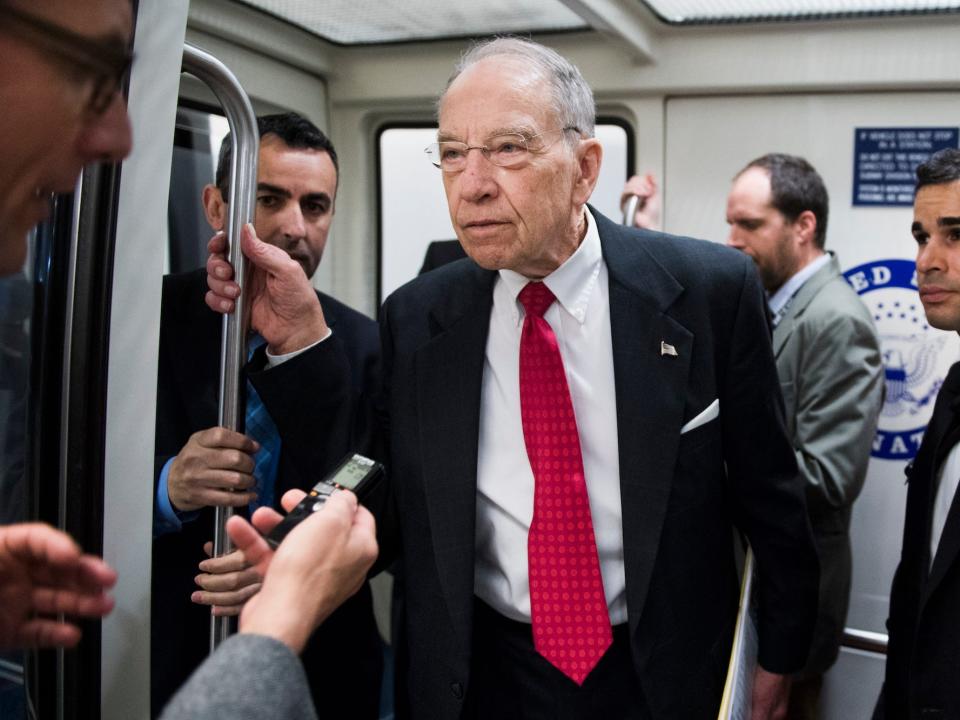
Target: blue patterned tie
(260, 426)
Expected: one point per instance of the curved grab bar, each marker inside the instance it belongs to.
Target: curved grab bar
(865, 640)
(630, 211)
(243, 193)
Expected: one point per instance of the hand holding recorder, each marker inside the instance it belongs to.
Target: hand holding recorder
(321, 562)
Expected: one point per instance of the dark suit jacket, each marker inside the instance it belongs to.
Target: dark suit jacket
(923, 658)
(441, 252)
(321, 403)
(681, 494)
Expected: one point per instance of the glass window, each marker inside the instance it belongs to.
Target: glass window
(196, 147)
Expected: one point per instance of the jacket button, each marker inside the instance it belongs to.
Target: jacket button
(457, 690)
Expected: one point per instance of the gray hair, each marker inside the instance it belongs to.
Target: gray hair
(940, 168)
(573, 103)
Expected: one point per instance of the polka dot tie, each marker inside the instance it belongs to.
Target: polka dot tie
(571, 626)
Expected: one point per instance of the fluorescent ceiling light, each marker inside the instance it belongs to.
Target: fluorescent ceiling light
(714, 11)
(361, 21)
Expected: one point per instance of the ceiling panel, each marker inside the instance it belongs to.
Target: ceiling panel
(352, 22)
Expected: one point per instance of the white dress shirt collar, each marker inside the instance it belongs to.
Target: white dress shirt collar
(572, 282)
(790, 288)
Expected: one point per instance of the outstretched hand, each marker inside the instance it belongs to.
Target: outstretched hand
(43, 573)
(283, 306)
(322, 562)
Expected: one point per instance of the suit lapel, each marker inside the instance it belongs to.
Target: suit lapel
(807, 292)
(651, 389)
(449, 372)
(949, 545)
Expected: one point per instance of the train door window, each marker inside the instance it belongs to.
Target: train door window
(196, 146)
(186, 389)
(413, 207)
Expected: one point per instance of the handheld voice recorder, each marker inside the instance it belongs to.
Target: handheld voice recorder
(356, 473)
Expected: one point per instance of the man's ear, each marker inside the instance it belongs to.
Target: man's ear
(806, 226)
(589, 155)
(214, 207)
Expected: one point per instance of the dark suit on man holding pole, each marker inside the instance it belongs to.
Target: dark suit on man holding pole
(301, 430)
(187, 401)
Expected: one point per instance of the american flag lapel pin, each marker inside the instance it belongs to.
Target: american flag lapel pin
(667, 349)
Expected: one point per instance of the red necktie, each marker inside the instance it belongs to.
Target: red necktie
(571, 626)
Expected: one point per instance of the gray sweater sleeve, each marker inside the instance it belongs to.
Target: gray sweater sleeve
(248, 677)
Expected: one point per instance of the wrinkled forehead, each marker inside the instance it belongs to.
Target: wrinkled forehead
(493, 94)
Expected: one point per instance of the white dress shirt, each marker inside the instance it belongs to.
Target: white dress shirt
(779, 301)
(580, 318)
(948, 477)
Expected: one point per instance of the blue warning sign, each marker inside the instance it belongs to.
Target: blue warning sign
(885, 162)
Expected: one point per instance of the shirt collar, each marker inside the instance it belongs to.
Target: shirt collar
(573, 282)
(793, 285)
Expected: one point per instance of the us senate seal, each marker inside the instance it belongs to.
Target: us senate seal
(916, 357)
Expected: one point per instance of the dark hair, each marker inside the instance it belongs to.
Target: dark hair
(294, 130)
(940, 168)
(795, 187)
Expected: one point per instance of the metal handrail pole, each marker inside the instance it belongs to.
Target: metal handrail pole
(630, 211)
(865, 640)
(241, 203)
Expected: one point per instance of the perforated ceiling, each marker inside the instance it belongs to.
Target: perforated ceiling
(363, 21)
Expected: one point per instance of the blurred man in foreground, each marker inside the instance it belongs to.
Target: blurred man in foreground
(63, 62)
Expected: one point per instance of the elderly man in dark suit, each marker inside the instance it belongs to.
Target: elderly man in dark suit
(577, 418)
(289, 442)
(924, 624)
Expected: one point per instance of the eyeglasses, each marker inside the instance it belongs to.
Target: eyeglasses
(509, 151)
(105, 62)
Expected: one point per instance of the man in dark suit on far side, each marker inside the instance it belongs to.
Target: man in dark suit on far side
(923, 656)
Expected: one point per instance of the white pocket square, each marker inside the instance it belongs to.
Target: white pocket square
(712, 411)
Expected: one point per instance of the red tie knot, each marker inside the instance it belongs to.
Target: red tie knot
(536, 298)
